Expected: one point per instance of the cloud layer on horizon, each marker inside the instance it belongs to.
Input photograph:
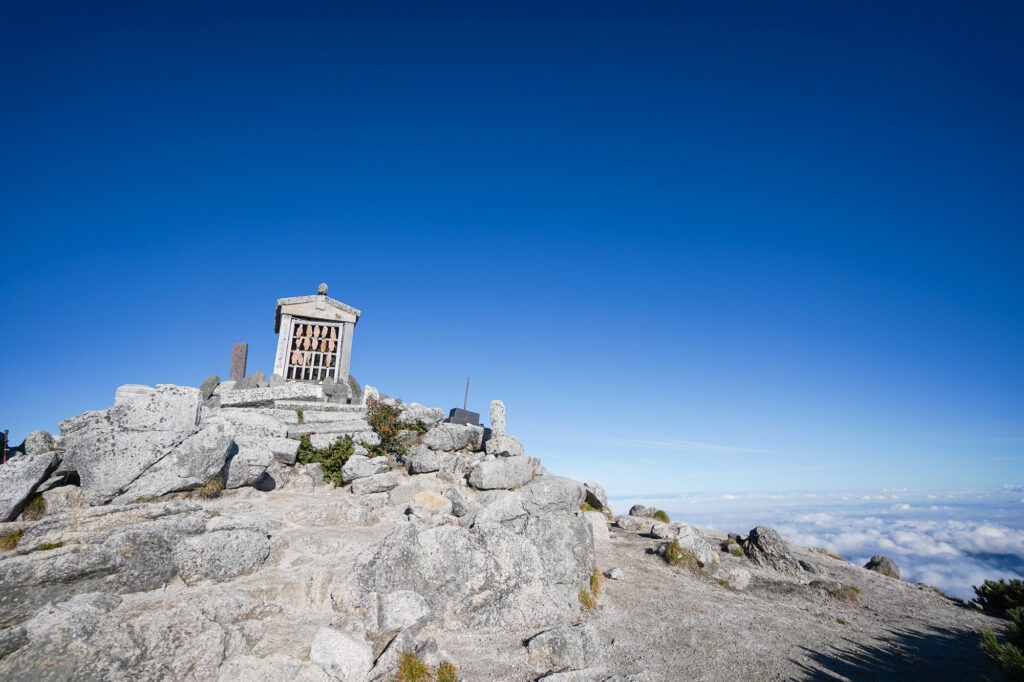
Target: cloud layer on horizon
(950, 540)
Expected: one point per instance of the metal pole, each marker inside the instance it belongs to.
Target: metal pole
(466, 401)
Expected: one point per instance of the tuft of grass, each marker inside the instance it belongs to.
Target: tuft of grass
(827, 553)
(736, 551)
(586, 506)
(50, 545)
(211, 488)
(445, 672)
(856, 590)
(35, 508)
(301, 415)
(675, 555)
(412, 669)
(660, 516)
(890, 574)
(596, 582)
(10, 539)
(587, 601)
(841, 621)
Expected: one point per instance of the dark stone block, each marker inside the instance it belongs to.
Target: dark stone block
(460, 416)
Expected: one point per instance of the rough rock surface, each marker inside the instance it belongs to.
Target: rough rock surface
(503, 446)
(565, 648)
(884, 565)
(111, 448)
(765, 547)
(19, 478)
(359, 466)
(38, 443)
(503, 472)
(451, 437)
(246, 465)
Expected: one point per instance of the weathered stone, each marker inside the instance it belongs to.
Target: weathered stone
(63, 498)
(394, 611)
(250, 424)
(246, 384)
(222, 554)
(376, 483)
(239, 354)
(359, 466)
(404, 493)
(283, 449)
(276, 380)
(614, 573)
(12, 639)
(634, 523)
(273, 668)
(733, 577)
(596, 496)
(765, 547)
(355, 391)
(884, 565)
(258, 376)
(38, 443)
(423, 460)
(430, 507)
(19, 477)
(195, 461)
(660, 530)
(459, 505)
(503, 446)
(352, 426)
(692, 542)
(130, 392)
(504, 472)
(265, 397)
(111, 448)
(334, 389)
(362, 439)
(209, 384)
(451, 437)
(387, 663)
(599, 526)
(345, 655)
(565, 647)
(497, 418)
(246, 465)
(641, 510)
(424, 416)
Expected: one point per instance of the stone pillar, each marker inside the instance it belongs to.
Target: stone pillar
(284, 338)
(345, 358)
(239, 354)
(497, 418)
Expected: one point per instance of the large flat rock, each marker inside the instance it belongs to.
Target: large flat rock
(265, 397)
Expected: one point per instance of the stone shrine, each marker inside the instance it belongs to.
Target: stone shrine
(314, 337)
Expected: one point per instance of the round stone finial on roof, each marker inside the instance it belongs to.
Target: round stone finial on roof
(322, 289)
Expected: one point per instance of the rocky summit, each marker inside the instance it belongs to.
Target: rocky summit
(274, 530)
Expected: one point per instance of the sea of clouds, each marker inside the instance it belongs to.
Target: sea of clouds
(950, 540)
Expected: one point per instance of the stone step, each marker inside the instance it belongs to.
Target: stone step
(339, 427)
(283, 416)
(319, 441)
(266, 397)
(320, 416)
(317, 405)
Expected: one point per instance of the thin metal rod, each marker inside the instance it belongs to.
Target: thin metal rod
(466, 401)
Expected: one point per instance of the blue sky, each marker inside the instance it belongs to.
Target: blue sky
(716, 247)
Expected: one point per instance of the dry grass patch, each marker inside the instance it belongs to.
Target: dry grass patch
(211, 488)
(10, 539)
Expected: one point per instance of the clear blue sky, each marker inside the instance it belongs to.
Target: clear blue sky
(692, 246)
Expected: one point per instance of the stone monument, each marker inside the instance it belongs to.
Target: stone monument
(314, 337)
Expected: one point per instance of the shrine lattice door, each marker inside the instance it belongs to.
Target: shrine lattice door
(313, 351)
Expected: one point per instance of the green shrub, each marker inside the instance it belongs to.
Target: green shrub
(587, 601)
(331, 459)
(586, 506)
(35, 508)
(736, 551)
(660, 516)
(412, 669)
(1009, 656)
(211, 488)
(10, 539)
(385, 421)
(1002, 595)
(446, 672)
(675, 555)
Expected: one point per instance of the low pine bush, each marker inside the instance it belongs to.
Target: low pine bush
(386, 422)
(1009, 656)
(331, 459)
(1002, 595)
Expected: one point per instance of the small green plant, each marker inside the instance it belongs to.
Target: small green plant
(386, 422)
(331, 459)
(446, 672)
(587, 601)
(417, 427)
(587, 507)
(211, 488)
(412, 669)
(827, 553)
(35, 508)
(50, 545)
(841, 621)
(301, 415)
(596, 582)
(11, 538)
(1002, 595)
(856, 590)
(660, 516)
(1009, 656)
(736, 551)
(675, 555)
